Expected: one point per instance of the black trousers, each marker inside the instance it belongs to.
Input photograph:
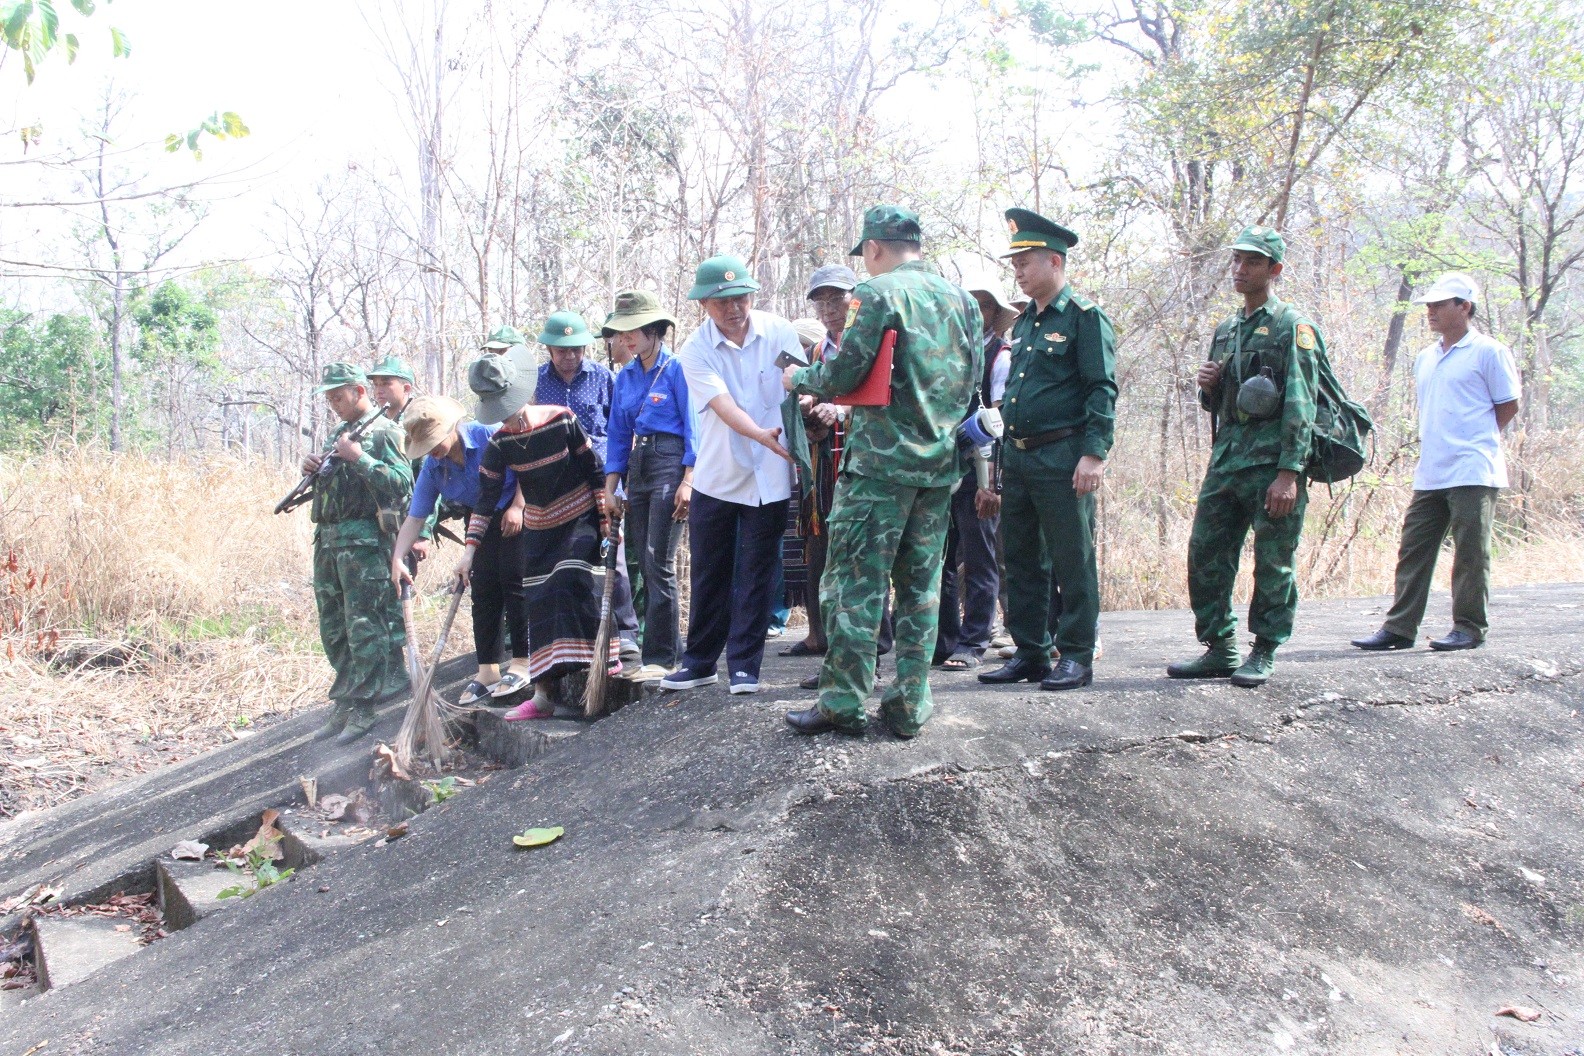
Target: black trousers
(970, 542)
(498, 590)
(730, 605)
(653, 472)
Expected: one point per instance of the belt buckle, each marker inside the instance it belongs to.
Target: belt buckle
(1018, 442)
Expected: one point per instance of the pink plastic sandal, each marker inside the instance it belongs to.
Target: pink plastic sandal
(532, 708)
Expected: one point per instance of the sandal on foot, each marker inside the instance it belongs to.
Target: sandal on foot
(960, 661)
(511, 682)
(802, 649)
(473, 692)
(532, 708)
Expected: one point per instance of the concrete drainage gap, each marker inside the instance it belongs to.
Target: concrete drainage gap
(57, 943)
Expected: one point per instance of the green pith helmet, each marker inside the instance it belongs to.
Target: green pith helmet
(888, 223)
(722, 276)
(392, 367)
(338, 374)
(1030, 230)
(635, 309)
(505, 337)
(566, 330)
(1265, 241)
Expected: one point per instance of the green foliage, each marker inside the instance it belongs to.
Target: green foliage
(52, 372)
(177, 329)
(32, 29)
(259, 872)
(222, 126)
(442, 789)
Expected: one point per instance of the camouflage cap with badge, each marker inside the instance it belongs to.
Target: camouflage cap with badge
(336, 375)
(888, 223)
(1029, 230)
(1262, 240)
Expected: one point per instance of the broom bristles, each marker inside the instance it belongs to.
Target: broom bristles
(423, 725)
(597, 683)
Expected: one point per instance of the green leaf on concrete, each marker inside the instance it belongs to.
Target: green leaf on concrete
(538, 837)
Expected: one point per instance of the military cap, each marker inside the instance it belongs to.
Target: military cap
(722, 276)
(1032, 231)
(392, 367)
(505, 337)
(501, 387)
(336, 375)
(635, 309)
(1262, 240)
(836, 276)
(888, 223)
(565, 330)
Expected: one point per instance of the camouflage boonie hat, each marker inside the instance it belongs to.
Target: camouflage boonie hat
(336, 375)
(391, 367)
(888, 223)
(1032, 231)
(1262, 240)
(505, 337)
(722, 276)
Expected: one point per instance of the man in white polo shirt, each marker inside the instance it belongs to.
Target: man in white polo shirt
(1468, 392)
(742, 475)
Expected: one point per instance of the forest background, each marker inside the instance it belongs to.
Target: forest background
(405, 176)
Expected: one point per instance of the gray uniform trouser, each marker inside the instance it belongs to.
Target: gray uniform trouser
(1466, 514)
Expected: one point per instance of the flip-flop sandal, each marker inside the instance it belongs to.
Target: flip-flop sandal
(511, 682)
(473, 692)
(801, 649)
(963, 661)
(532, 708)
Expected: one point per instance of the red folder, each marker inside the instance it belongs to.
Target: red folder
(875, 389)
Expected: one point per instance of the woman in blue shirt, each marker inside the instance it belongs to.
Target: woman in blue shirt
(650, 444)
(451, 448)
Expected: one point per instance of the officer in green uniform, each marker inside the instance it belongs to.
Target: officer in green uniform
(1060, 412)
(360, 620)
(888, 519)
(1260, 386)
(394, 387)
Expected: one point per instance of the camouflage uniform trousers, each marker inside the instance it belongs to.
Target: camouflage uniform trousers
(1231, 502)
(882, 535)
(360, 622)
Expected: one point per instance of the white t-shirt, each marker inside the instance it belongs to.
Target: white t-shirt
(729, 466)
(1459, 444)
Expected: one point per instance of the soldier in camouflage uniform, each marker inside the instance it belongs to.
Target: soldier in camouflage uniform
(1267, 354)
(360, 620)
(888, 520)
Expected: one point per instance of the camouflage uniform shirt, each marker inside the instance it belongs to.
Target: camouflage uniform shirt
(347, 503)
(1278, 336)
(935, 365)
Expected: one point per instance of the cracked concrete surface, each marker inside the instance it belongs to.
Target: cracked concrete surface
(1371, 855)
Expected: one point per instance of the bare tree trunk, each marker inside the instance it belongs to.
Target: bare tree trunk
(1394, 336)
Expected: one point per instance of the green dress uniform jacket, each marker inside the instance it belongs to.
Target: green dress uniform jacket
(1247, 455)
(888, 520)
(1062, 377)
(360, 620)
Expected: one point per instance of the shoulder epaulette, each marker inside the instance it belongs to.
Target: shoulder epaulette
(1084, 304)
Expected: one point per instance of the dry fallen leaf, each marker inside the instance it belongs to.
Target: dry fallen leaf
(333, 808)
(266, 841)
(310, 790)
(385, 758)
(1528, 1015)
(191, 850)
(396, 832)
(1479, 916)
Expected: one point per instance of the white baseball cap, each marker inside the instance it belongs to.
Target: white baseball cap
(1452, 285)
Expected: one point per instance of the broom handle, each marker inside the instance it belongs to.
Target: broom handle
(440, 642)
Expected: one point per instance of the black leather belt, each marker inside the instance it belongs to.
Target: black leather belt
(1029, 443)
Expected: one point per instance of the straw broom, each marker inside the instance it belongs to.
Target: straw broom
(423, 725)
(597, 685)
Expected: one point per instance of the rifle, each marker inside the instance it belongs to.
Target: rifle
(303, 492)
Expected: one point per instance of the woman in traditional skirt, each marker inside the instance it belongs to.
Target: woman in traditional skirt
(561, 482)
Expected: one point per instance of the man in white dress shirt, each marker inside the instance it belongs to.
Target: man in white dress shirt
(742, 475)
(1468, 391)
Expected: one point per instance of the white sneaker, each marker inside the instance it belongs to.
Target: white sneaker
(743, 682)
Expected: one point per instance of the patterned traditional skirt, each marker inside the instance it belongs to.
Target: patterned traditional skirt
(564, 581)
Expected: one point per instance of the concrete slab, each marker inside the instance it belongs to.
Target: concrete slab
(1371, 855)
(307, 840)
(70, 949)
(107, 841)
(513, 744)
(189, 891)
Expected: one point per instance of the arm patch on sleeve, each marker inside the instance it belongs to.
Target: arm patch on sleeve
(1305, 336)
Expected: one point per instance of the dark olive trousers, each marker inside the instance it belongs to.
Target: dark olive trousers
(1048, 533)
(1464, 513)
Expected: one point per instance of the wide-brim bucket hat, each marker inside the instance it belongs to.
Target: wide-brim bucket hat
(634, 310)
(1007, 311)
(502, 387)
(427, 422)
